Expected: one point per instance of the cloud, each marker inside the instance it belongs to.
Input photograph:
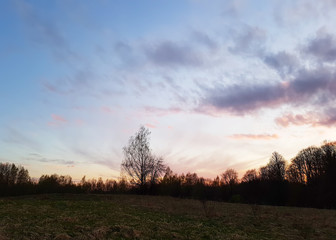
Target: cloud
(249, 40)
(284, 63)
(39, 158)
(107, 110)
(241, 99)
(306, 87)
(233, 8)
(295, 119)
(310, 82)
(168, 53)
(149, 125)
(326, 118)
(45, 32)
(57, 120)
(78, 81)
(127, 55)
(94, 157)
(204, 39)
(322, 47)
(292, 13)
(14, 136)
(254, 136)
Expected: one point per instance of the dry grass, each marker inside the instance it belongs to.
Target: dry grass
(147, 217)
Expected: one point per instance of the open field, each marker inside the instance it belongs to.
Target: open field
(152, 217)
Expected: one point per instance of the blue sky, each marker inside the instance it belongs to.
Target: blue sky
(220, 84)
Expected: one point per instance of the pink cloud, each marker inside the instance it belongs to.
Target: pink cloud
(150, 125)
(298, 119)
(326, 118)
(107, 110)
(58, 118)
(254, 136)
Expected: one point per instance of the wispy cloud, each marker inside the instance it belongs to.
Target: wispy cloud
(57, 120)
(15, 136)
(254, 136)
(94, 157)
(107, 110)
(172, 54)
(45, 32)
(40, 158)
(150, 125)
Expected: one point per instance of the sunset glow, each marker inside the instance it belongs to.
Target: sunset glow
(220, 84)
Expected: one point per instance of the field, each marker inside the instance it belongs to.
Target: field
(152, 217)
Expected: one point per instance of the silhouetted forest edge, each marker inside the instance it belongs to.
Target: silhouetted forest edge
(308, 180)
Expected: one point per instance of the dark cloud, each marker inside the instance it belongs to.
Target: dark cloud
(308, 87)
(283, 62)
(329, 117)
(304, 81)
(172, 54)
(323, 47)
(309, 82)
(241, 99)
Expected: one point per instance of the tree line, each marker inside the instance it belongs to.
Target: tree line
(308, 180)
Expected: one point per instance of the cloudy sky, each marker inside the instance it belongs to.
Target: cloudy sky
(220, 84)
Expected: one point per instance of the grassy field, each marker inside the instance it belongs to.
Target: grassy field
(152, 217)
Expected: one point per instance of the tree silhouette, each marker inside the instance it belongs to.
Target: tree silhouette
(230, 177)
(250, 175)
(139, 163)
(275, 170)
(307, 166)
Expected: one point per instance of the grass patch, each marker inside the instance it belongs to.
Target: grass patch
(155, 217)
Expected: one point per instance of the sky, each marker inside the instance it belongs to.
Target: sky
(220, 84)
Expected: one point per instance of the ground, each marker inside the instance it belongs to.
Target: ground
(82, 216)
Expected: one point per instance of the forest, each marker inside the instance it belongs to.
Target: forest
(308, 180)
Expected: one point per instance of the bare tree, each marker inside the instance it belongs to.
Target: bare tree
(230, 177)
(275, 170)
(139, 163)
(250, 175)
(311, 163)
(158, 167)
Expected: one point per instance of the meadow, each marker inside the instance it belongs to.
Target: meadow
(71, 216)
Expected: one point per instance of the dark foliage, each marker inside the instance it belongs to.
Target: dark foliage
(309, 180)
